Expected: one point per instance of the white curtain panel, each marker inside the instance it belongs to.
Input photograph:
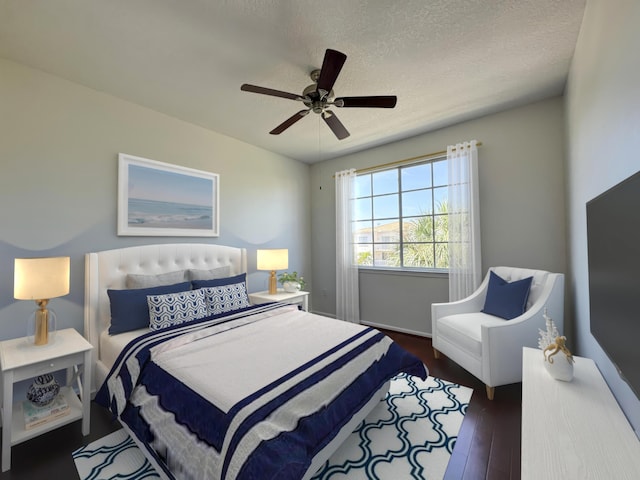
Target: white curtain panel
(347, 292)
(465, 260)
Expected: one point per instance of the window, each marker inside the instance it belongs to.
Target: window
(400, 218)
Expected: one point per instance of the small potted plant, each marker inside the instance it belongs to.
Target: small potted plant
(291, 282)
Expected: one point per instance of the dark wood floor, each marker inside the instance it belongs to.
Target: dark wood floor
(49, 456)
(488, 445)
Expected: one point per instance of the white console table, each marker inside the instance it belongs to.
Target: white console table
(573, 430)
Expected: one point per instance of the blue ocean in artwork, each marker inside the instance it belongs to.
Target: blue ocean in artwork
(159, 214)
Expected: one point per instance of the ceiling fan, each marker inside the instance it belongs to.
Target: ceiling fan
(319, 96)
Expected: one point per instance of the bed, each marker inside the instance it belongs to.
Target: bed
(265, 391)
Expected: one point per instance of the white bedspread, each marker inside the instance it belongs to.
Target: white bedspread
(247, 348)
(252, 396)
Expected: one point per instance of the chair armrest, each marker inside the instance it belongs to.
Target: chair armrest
(502, 347)
(466, 305)
(472, 303)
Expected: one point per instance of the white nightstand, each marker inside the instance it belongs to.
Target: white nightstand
(20, 360)
(301, 298)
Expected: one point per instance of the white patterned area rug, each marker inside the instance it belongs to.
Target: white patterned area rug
(410, 435)
(113, 456)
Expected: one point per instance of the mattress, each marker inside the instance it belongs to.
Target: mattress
(112, 345)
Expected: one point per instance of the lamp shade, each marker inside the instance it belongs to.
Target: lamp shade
(40, 278)
(273, 259)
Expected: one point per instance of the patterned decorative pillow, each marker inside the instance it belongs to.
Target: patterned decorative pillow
(176, 308)
(226, 298)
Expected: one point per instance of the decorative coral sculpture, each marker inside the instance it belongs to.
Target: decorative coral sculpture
(547, 337)
(552, 343)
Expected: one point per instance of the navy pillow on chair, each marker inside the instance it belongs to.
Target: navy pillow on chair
(506, 300)
(129, 308)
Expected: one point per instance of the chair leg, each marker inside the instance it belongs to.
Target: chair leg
(436, 354)
(490, 392)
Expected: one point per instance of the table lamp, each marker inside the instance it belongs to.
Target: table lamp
(273, 259)
(41, 279)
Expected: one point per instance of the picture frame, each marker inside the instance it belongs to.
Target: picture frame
(162, 199)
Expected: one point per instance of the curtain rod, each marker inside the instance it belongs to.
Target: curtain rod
(406, 160)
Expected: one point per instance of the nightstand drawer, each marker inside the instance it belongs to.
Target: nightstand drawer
(48, 366)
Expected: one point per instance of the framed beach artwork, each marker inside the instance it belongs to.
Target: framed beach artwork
(161, 199)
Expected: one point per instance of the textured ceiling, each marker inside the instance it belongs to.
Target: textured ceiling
(445, 60)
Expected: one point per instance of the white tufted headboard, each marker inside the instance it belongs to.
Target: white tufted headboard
(109, 268)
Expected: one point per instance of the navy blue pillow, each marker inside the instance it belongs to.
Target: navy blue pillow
(219, 282)
(506, 300)
(129, 308)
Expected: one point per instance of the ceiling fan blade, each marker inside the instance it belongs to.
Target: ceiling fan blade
(384, 101)
(269, 91)
(331, 66)
(288, 122)
(335, 125)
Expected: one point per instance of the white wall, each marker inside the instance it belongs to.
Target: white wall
(603, 118)
(59, 145)
(522, 209)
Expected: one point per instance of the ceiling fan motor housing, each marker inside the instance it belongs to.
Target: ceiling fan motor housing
(312, 99)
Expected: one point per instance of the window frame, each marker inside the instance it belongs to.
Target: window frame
(401, 219)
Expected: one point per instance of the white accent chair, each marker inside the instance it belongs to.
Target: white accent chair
(490, 347)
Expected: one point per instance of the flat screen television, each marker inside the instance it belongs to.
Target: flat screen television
(613, 235)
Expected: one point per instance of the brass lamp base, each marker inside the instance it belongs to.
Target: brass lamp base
(273, 283)
(41, 334)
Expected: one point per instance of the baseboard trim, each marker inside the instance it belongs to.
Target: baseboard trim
(330, 315)
(397, 329)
